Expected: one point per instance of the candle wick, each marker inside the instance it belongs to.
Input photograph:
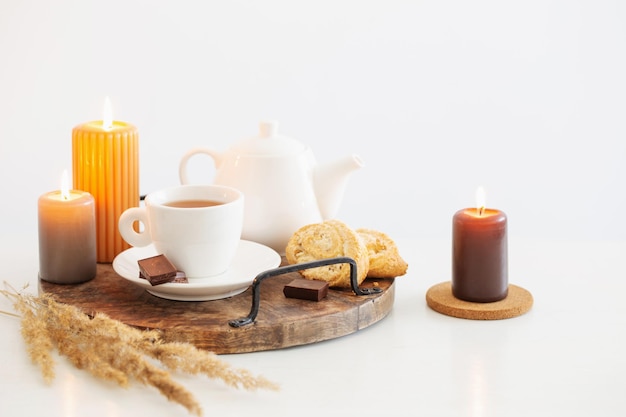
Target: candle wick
(481, 210)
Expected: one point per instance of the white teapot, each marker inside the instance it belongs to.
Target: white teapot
(284, 189)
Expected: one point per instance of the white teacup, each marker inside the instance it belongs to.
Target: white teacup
(197, 227)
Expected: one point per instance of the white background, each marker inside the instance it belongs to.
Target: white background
(527, 98)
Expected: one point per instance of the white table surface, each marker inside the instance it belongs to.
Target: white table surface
(565, 357)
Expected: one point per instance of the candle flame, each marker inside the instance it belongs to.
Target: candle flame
(107, 115)
(480, 200)
(65, 186)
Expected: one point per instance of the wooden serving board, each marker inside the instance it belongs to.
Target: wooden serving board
(281, 322)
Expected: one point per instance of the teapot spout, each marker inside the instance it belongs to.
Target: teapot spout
(330, 182)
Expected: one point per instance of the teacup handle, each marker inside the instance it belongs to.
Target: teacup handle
(126, 222)
(182, 167)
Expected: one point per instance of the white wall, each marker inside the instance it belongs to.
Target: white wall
(524, 97)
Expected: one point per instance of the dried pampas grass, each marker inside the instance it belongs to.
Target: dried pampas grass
(114, 351)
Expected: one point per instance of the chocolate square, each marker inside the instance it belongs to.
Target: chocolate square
(157, 269)
(306, 289)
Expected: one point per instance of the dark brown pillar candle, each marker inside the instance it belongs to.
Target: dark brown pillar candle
(479, 255)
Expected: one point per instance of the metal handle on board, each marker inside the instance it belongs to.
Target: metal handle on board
(256, 290)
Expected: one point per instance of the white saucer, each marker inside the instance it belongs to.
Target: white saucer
(251, 259)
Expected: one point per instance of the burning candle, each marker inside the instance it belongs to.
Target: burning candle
(105, 157)
(479, 253)
(67, 235)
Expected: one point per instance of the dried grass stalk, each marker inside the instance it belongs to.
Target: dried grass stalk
(113, 351)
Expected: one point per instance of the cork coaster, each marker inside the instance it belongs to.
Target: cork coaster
(518, 301)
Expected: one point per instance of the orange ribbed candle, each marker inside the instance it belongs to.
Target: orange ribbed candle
(105, 158)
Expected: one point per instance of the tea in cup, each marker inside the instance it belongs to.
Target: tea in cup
(197, 227)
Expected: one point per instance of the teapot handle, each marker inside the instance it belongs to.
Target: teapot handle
(182, 167)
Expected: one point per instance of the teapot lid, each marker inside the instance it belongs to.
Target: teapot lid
(269, 142)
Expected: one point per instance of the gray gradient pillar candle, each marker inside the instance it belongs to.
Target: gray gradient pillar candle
(67, 237)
